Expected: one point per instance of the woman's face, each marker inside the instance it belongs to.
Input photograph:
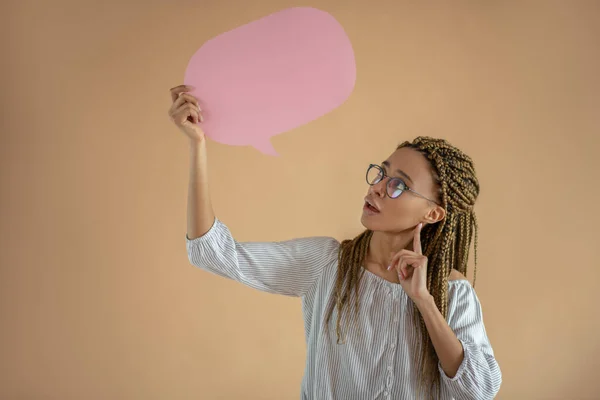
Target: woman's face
(408, 210)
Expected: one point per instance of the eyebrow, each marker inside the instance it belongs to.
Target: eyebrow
(404, 174)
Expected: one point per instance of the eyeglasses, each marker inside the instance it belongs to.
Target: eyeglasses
(394, 187)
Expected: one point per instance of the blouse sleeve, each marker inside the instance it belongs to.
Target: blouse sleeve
(478, 376)
(288, 267)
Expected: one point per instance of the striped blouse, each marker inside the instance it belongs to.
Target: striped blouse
(376, 361)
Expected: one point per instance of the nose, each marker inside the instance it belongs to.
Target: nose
(379, 188)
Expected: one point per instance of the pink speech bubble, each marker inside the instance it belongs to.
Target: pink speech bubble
(271, 75)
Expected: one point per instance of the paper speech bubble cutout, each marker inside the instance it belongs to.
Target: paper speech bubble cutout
(271, 75)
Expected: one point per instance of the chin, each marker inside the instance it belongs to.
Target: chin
(382, 224)
(371, 223)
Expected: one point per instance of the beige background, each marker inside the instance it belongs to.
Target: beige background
(97, 298)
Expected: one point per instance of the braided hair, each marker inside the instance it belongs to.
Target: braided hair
(446, 244)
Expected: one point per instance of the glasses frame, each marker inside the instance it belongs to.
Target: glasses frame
(391, 178)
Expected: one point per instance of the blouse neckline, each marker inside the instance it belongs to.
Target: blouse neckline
(377, 280)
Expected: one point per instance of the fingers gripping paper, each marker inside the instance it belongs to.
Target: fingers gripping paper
(271, 75)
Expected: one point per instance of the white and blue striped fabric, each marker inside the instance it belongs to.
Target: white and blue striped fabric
(377, 359)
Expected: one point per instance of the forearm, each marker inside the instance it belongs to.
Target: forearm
(200, 214)
(447, 346)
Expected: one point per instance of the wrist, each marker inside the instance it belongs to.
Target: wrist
(197, 147)
(425, 302)
(195, 143)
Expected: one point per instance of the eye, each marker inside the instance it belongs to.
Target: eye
(395, 187)
(398, 183)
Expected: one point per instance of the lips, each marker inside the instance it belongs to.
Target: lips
(371, 205)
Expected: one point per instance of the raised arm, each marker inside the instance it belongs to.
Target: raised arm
(185, 112)
(288, 267)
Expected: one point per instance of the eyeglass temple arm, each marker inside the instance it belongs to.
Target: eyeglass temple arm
(423, 197)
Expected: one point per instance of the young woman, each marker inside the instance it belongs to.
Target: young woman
(388, 314)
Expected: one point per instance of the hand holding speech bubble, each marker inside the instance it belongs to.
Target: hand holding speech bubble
(271, 75)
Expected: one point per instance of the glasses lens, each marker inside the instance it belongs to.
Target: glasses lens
(374, 175)
(395, 187)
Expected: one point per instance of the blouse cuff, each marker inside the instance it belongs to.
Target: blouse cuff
(461, 367)
(206, 236)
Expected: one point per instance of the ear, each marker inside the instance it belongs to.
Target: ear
(436, 214)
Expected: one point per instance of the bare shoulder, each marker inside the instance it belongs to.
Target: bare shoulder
(456, 276)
